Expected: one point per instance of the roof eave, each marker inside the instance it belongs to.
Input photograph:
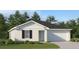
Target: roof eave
(59, 29)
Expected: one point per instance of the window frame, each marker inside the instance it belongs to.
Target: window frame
(28, 35)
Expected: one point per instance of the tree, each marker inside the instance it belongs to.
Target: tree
(3, 28)
(26, 15)
(72, 25)
(50, 19)
(17, 14)
(62, 24)
(2, 22)
(11, 21)
(78, 21)
(17, 19)
(72, 22)
(35, 17)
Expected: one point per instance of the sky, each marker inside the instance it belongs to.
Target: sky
(60, 15)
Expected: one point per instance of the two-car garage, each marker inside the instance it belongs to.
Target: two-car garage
(58, 35)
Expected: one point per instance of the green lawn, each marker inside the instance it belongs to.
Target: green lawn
(30, 46)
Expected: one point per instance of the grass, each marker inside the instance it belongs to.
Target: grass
(30, 46)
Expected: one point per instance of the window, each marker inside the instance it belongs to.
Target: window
(26, 33)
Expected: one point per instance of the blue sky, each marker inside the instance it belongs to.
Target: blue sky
(60, 15)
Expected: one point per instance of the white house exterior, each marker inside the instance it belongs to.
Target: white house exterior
(35, 31)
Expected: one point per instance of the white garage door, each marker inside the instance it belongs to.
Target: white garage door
(58, 35)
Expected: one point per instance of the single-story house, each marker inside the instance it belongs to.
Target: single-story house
(39, 31)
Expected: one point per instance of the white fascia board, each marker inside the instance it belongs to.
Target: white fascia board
(59, 29)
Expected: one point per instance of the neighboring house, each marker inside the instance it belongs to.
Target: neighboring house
(39, 31)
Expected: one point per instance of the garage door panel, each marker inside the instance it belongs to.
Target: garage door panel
(57, 36)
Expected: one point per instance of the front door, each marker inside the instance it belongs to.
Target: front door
(41, 35)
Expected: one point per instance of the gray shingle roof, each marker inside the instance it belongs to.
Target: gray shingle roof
(52, 26)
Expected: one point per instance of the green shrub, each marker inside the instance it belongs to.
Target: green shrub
(17, 42)
(31, 42)
(11, 42)
(27, 41)
(35, 42)
(21, 42)
(75, 39)
(3, 42)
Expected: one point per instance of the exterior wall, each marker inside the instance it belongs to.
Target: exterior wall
(45, 36)
(16, 34)
(58, 35)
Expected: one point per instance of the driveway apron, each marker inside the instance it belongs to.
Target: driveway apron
(67, 45)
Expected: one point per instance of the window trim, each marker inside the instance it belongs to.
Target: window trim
(29, 34)
(23, 34)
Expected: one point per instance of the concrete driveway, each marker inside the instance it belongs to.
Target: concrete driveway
(68, 45)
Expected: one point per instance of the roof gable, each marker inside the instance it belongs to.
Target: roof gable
(31, 21)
